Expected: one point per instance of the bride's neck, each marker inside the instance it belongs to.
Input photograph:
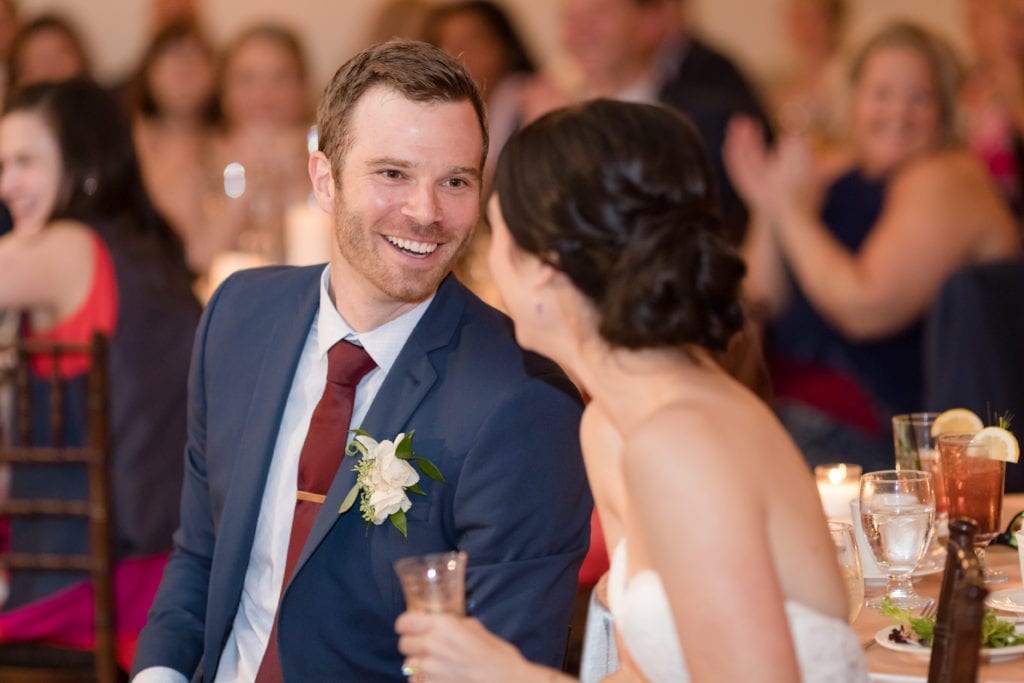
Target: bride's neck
(632, 384)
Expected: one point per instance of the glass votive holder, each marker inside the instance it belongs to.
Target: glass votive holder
(838, 484)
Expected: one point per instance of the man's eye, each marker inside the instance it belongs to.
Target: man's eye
(457, 182)
(391, 173)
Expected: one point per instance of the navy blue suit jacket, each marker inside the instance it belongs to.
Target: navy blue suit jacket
(501, 424)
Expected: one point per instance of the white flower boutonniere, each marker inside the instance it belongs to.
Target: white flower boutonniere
(385, 475)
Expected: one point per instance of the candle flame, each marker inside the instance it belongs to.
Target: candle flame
(837, 474)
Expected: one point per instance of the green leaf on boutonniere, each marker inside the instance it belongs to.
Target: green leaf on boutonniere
(398, 519)
(350, 498)
(354, 447)
(403, 449)
(415, 488)
(430, 469)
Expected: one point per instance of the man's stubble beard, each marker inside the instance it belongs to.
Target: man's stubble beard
(355, 245)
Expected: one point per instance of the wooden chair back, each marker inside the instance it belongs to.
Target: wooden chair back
(47, 664)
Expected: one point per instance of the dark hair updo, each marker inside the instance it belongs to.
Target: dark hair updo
(619, 197)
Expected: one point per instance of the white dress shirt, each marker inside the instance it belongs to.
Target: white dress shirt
(261, 589)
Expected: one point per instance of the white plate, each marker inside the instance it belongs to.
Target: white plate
(1007, 600)
(932, 563)
(992, 654)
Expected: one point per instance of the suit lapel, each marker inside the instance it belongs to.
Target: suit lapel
(405, 387)
(258, 437)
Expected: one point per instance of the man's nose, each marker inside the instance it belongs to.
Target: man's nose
(422, 205)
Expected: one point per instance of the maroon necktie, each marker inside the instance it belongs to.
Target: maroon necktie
(322, 453)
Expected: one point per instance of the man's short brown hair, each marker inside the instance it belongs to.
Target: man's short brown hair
(417, 71)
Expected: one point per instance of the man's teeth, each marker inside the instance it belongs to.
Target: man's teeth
(422, 248)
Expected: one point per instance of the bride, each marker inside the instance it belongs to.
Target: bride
(608, 252)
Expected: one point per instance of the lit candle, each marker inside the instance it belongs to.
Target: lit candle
(838, 484)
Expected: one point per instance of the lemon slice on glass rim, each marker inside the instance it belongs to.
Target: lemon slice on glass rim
(1002, 444)
(957, 421)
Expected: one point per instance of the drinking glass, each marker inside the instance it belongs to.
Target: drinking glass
(897, 508)
(1019, 535)
(434, 583)
(974, 489)
(849, 563)
(916, 449)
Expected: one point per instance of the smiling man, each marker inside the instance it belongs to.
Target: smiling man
(269, 581)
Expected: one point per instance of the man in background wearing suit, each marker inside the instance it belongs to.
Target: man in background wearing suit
(402, 141)
(694, 78)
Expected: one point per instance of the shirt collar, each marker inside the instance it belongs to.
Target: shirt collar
(383, 343)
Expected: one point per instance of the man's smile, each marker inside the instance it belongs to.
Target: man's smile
(411, 247)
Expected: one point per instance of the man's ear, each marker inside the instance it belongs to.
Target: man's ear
(322, 176)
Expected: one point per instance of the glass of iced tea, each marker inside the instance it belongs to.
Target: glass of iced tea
(974, 489)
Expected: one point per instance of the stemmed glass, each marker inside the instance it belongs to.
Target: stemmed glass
(849, 563)
(974, 489)
(897, 508)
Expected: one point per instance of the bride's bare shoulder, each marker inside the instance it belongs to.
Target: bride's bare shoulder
(695, 436)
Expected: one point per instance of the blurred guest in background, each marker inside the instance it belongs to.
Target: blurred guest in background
(257, 160)
(993, 95)
(808, 95)
(644, 51)
(175, 109)
(9, 23)
(846, 276)
(482, 37)
(163, 13)
(48, 48)
(709, 88)
(88, 253)
(399, 19)
(609, 41)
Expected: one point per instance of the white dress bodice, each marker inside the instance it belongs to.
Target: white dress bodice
(827, 649)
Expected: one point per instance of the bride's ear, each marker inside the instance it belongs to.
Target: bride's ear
(544, 274)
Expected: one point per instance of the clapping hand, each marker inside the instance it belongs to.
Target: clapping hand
(793, 176)
(747, 160)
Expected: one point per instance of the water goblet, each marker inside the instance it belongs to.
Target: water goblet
(974, 489)
(849, 564)
(897, 509)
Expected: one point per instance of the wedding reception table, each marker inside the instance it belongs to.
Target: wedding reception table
(887, 666)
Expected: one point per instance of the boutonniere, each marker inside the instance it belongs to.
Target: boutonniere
(385, 475)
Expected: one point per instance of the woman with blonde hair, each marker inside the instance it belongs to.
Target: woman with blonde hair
(844, 276)
(257, 160)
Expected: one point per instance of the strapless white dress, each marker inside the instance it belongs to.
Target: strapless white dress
(826, 648)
